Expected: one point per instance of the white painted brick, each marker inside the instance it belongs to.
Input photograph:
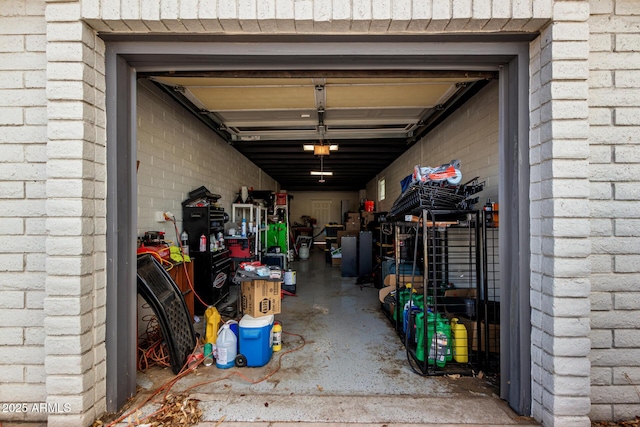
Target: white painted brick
(570, 31)
(566, 50)
(543, 9)
(35, 300)
(627, 153)
(626, 7)
(73, 418)
(568, 405)
(567, 386)
(627, 42)
(625, 172)
(568, 327)
(627, 227)
(567, 247)
(34, 336)
(72, 345)
(601, 301)
(68, 325)
(12, 43)
(601, 376)
(12, 373)
(12, 299)
(11, 336)
(600, 116)
(566, 227)
(601, 7)
(626, 191)
(26, 393)
(601, 264)
(574, 366)
(35, 116)
(627, 337)
(625, 412)
(78, 403)
(627, 116)
(20, 355)
(150, 10)
(620, 134)
(23, 97)
(618, 394)
(35, 374)
(627, 301)
(71, 384)
(627, 79)
(601, 42)
(601, 338)
(600, 79)
(62, 12)
(619, 61)
(35, 262)
(626, 375)
(614, 319)
(68, 364)
(571, 10)
(12, 190)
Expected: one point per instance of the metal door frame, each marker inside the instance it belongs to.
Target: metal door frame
(508, 54)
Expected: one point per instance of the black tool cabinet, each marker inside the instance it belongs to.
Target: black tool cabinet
(450, 257)
(212, 273)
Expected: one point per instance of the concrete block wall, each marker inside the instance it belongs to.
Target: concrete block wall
(315, 16)
(475, 144)
(584, 76)
(23, 193)
(177, 154)
(75, 302)
(559, 218)
(614, 155)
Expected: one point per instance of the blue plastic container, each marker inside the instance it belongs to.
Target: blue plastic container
(256, 339)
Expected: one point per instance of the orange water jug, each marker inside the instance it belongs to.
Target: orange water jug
(460, 341)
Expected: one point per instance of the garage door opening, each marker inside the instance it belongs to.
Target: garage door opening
(125, 62)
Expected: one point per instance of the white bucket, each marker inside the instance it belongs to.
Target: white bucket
(289, 277)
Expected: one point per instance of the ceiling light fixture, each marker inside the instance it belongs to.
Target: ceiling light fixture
(312, 147)
(321, 173)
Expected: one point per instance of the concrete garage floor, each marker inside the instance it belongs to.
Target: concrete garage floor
(352, 368)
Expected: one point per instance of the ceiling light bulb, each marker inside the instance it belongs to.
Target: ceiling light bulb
(321, 150)
(325, 173)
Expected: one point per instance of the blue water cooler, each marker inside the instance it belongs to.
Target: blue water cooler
(256, 341)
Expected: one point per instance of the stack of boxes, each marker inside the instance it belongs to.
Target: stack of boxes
(260, 301)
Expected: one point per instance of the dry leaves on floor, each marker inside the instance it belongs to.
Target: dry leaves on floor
(177, 411)
(627, 423)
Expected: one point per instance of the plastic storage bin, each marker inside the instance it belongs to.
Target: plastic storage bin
(256, 339)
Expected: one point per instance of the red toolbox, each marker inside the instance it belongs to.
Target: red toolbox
(240, 247)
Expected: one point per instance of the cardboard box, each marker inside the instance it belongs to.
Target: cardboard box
(261, 297)
(336, 261)
(472, 334)
(367, 217)
(353, 217)
(417, 283)
(352, 226)
(460, 302)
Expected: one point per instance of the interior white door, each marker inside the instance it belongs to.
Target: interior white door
(321, 211)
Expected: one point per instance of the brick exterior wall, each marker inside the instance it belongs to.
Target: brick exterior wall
(584, 156)
(23, 194)
(560, 246)
(614, 144)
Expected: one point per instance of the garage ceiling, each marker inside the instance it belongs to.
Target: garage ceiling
(372, 118)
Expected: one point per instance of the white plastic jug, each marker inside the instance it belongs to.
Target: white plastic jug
(227, 347)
